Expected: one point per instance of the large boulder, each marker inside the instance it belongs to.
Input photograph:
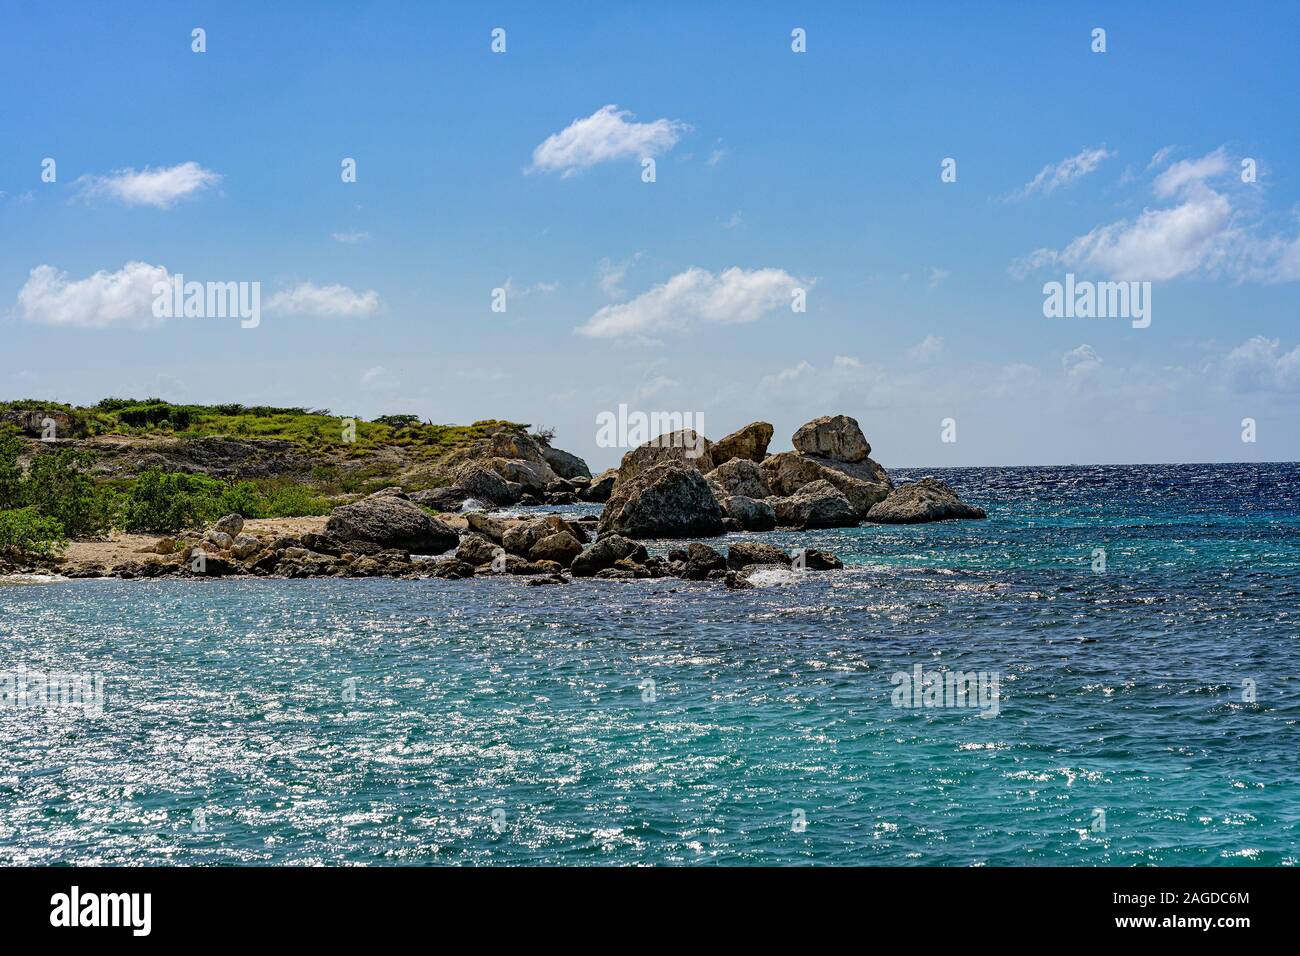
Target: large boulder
(476, 549)
(534, 476)
(605, 553)
(393, 523)
(560, 547)
(702, 561)
(231, 524)
(481, 482)
(832, 436)
(748, 444)
(926, 500)
(666, 501)
(520, 538)
(864, 483)
(685, 447)
(601, 487)
(441, 499)
(751, 515)
(564, 464)
(740, 476)
(816, 505)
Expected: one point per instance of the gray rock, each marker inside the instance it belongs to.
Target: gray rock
(441, 499)
(476, 549)
(230, 524)
(245, 546)
(816, 505)
(832, 436)
(392, 523)
(564, 464)
(486, 485)
(220, 540)
(520, 538)
(864, 483)
(749, 515)
(926, 500)
(684, 447)
(601, 486)
(701, 560)
(560, 547)
(668, 500)
(753, 552)
(605, 553)
(740, 476)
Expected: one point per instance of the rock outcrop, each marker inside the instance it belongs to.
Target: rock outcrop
(748, 444)
(685, 447)
(391, 522)
(605, 553)
(832, 436)
(667, 500)
(749, 514)
(740, 476)
(926, 500)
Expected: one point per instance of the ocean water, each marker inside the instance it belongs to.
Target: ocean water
(671, 722)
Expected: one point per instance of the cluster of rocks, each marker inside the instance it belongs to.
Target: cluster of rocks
(510, 467)
(683, 485)
(388, 534)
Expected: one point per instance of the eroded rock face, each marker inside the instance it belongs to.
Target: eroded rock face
(666, 501)
(740, 476)
(748, 444)
(926, 500)
(601, 486)
(832, 436)
(481, 482)
(816, 505)
(393, 523)
(532, 475)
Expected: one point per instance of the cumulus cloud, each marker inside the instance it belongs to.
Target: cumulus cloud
(607, 134)
(1259, 364)
(1081, 362)
(106, 299)
(926, 349)
(328, 301)
(1054, 175)
(1203, 233)
(149, 187)
(696, 296)
(1185, 172)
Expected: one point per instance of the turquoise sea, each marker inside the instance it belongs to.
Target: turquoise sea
(1147, 714)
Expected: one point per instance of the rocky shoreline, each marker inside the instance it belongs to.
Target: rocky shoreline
(680, 485)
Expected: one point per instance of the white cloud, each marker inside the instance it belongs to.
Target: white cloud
(1259, 364)
(1159, 244)
(732, 297)
(150, 187)
(656, 385)
(846, 362)
(103, 300)
(1054, 175)
(1159, 157)
(350, 237)
(937, 276)
(788, 375)
(1081, 362)
(328, 301)
(926, 349)
(607, 134)
(1187, 172)
(379, 379)
(612, 275)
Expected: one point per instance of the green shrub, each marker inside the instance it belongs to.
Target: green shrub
(57, 487)
(171, 501)
(11, 475)
(24, 532)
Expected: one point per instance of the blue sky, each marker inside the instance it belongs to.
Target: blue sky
(775, 171)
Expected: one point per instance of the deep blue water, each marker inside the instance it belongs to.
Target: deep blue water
(499, 723)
